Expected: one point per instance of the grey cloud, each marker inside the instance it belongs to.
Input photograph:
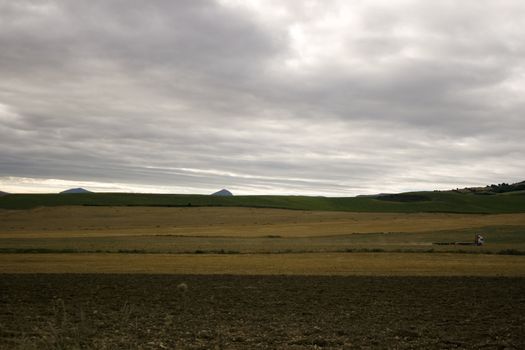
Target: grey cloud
(396, 96)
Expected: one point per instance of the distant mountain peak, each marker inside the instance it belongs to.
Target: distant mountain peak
(76, 190)
(224, 192)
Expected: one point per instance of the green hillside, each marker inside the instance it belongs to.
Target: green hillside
(407, 202)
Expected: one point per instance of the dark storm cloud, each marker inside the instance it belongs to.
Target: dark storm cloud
(320, 97)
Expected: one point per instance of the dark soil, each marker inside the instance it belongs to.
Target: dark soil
(252, 312)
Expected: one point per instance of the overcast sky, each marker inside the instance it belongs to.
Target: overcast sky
(261, 97)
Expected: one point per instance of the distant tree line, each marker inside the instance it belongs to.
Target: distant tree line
(505, 187)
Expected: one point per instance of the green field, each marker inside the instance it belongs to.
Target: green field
(452, 202)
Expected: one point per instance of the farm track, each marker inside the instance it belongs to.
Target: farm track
(55, 311)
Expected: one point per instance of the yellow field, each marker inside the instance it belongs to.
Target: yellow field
(380, 264)
(238, 222)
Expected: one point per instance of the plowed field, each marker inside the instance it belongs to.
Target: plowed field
(260, 312)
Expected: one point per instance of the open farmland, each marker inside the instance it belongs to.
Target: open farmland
(109, 277)
(248, 230)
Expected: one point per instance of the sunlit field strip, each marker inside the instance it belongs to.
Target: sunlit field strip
(378, 264)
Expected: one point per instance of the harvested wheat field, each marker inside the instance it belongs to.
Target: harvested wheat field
(85, 221)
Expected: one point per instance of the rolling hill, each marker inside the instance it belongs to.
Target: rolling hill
(453, 202)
